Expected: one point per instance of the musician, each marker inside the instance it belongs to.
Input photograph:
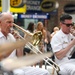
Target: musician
(6, 23)
(62, 45)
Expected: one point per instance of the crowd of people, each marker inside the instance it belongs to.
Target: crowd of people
(61, 42)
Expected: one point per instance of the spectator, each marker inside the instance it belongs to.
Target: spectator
(55, 30)
(73, 30)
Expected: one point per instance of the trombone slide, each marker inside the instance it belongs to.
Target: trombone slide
(23, 30)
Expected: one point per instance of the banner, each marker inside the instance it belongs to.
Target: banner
(34, 16)
(33, 6)
(16, 6)
(18, 10)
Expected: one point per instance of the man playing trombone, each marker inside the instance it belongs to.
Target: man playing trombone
(6, 23)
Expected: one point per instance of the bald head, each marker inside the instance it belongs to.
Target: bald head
(56, 28)
(5, 15)
(6, 22)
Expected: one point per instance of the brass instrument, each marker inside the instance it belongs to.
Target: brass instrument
(55, 66)
(36, 37)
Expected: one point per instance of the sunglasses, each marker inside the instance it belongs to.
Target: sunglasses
(68, 25)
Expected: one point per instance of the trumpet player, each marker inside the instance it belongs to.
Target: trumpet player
(6, 23)
(62, 44)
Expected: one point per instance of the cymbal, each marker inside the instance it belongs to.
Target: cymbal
(14, 63)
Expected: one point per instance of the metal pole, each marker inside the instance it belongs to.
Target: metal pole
(5, 5)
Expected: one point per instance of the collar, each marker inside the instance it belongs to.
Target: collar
(63, 34)
(1, 35)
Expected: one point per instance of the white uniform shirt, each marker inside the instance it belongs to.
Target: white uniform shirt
(9, 38)
(59, 42)
(25, 70)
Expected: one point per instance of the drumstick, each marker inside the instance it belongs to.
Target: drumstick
(14, 63)
(6, 47)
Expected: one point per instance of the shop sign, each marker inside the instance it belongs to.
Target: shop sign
(48, 5)
(16, 6)
(0, 5)
(33, 6)
(69, 8)
(15, 3)
(34, 16)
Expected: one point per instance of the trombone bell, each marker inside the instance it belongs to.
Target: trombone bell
(36, 37)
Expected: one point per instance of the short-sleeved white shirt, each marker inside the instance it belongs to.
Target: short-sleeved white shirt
(9, 38)
(60, 41)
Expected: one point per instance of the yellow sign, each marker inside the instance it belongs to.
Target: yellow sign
(17, 7)
(15, 3)
(0, 5)
(18, 10)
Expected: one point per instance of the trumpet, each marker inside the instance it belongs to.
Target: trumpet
(36, 37)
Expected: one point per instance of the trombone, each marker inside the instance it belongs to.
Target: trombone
(36, 40)
(36, 37)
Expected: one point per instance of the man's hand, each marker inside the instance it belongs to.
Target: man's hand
(28, 38)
